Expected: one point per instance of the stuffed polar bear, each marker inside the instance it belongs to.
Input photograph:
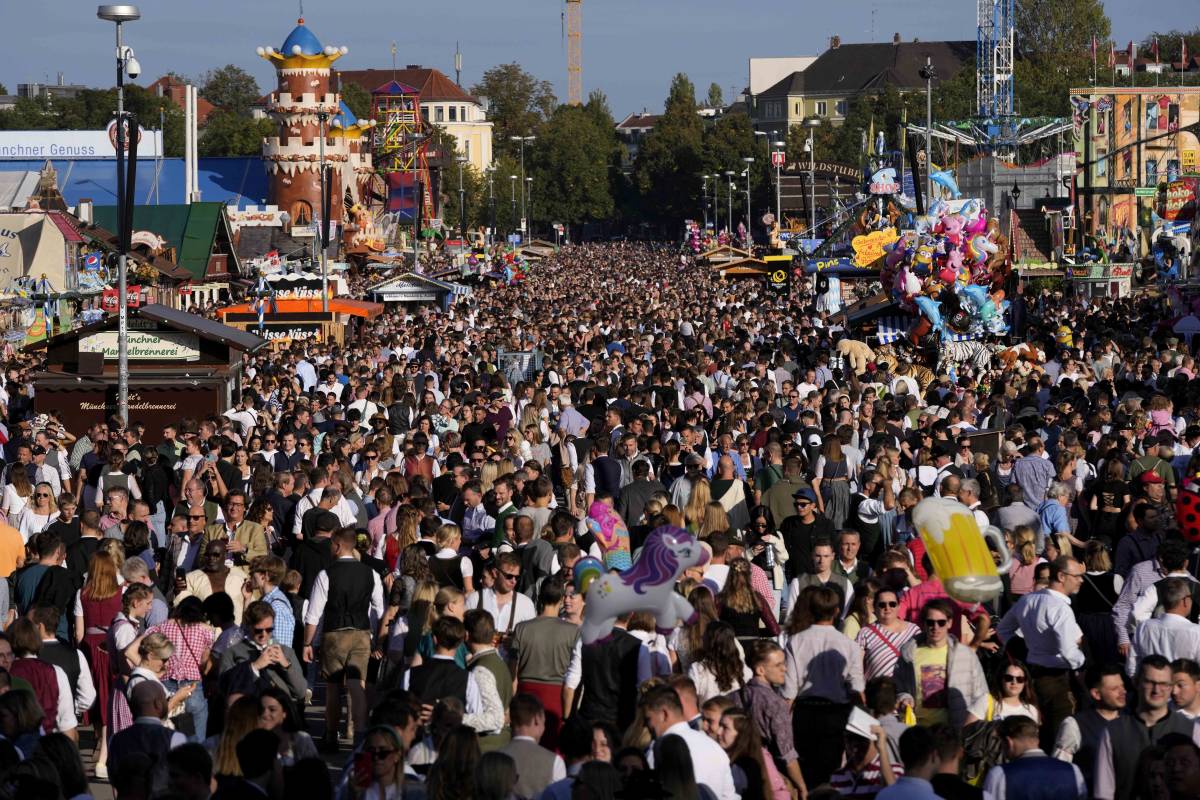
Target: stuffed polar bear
(857, 353)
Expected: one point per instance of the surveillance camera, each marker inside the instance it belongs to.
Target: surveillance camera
(132, 68)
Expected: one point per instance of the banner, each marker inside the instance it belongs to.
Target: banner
(779, 274)
(1181, 199)
(133, 295)
(145, 345)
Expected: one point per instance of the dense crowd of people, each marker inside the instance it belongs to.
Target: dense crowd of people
(392, 525)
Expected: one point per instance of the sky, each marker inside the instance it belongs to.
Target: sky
(631, 48)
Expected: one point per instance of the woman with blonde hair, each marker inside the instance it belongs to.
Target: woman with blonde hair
(421, 613)
(534, 448)
(40, 512)
(1025, 561)
(448, 602)
(673, 516)
(240, 719)
(115, 549)
(487, 475)
(450, 569)
(697, 505)
(1093, 603)
(715, 520)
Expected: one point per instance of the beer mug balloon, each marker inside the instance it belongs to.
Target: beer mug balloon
(959, 551)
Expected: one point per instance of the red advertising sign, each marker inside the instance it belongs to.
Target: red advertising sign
(778, 158)
(133, 298)
(1181, 199)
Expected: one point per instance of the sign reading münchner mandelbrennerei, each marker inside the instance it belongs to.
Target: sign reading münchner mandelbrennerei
(145, 345)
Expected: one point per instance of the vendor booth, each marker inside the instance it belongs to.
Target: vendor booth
(1101, 280)
(180, 365)
(301, 319)
(416, 290)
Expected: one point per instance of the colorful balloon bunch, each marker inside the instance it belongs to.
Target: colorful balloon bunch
(948, 267)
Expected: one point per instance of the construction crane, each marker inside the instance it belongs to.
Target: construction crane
(574, 52)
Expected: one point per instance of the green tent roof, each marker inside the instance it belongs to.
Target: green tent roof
(190, 229)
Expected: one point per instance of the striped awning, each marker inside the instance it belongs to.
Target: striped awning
(893, 329)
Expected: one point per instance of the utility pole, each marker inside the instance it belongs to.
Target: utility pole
(928, 73)
(322, 118)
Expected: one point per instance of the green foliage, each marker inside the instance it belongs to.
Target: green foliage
(1059, 32)
(1168, 45)
(230, 134)
(715, 98)
(358, 98)
(670, 159)
(570, 166)
(519, 103)
(230, 88)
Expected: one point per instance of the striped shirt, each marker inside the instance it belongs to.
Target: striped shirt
(866, 782)
(881, 648)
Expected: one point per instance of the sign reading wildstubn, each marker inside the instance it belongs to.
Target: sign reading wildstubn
(145, 345)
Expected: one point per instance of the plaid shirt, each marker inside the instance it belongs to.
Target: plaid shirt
(191, 643)
(285, 621)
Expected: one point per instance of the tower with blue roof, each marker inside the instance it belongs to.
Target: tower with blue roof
(293, 156)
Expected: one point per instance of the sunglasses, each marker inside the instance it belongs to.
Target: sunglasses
(1014, 678)
(196, 516)
(379, 753)
(372, 457)
(510, 576)
(41, 494)
(269, 441)
(265, 630)
(886, 604)
(936, 623)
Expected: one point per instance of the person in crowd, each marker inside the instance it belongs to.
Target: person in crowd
(1078, 737)
(940, 679)
(1028, 769)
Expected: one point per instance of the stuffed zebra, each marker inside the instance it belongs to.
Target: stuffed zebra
(975, 354)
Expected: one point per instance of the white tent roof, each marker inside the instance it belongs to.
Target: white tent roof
(15, 188)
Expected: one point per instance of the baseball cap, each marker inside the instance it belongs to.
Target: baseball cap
(805, 493)
(1150, 476)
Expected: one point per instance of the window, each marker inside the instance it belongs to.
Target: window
(841, 108)
(822, 108)
(424, 114)
(454, 113)
(462, 113)
(1151, 172)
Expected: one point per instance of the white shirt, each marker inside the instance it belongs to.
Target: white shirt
(709, 760)
(85, 690)
(307, 374)
(1171, 636)
(518, 605)
(1048, 626)
(320, 595)
(342, 510)
(1147, 601)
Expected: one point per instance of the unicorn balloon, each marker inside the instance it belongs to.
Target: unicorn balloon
(612, 533)
(649, 585)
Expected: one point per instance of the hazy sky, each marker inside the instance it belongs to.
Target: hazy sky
(631, 48)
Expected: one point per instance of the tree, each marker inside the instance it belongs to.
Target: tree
(715, 99)
(3, 89)
(571, 160)
(229, 134)
(231, 89)
(1056, 35)
(519, 104)
(669, 161)
(358, 98)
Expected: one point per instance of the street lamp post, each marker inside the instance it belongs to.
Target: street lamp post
(729, 197)
(529, 207)
(322, 118)
(491, 172)
(119, 14)
(928, 73)
(462, 206)
(810, 146)
(749, 221)
(704, 193)
(512, 216)
(522, 140)
(778, 194)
